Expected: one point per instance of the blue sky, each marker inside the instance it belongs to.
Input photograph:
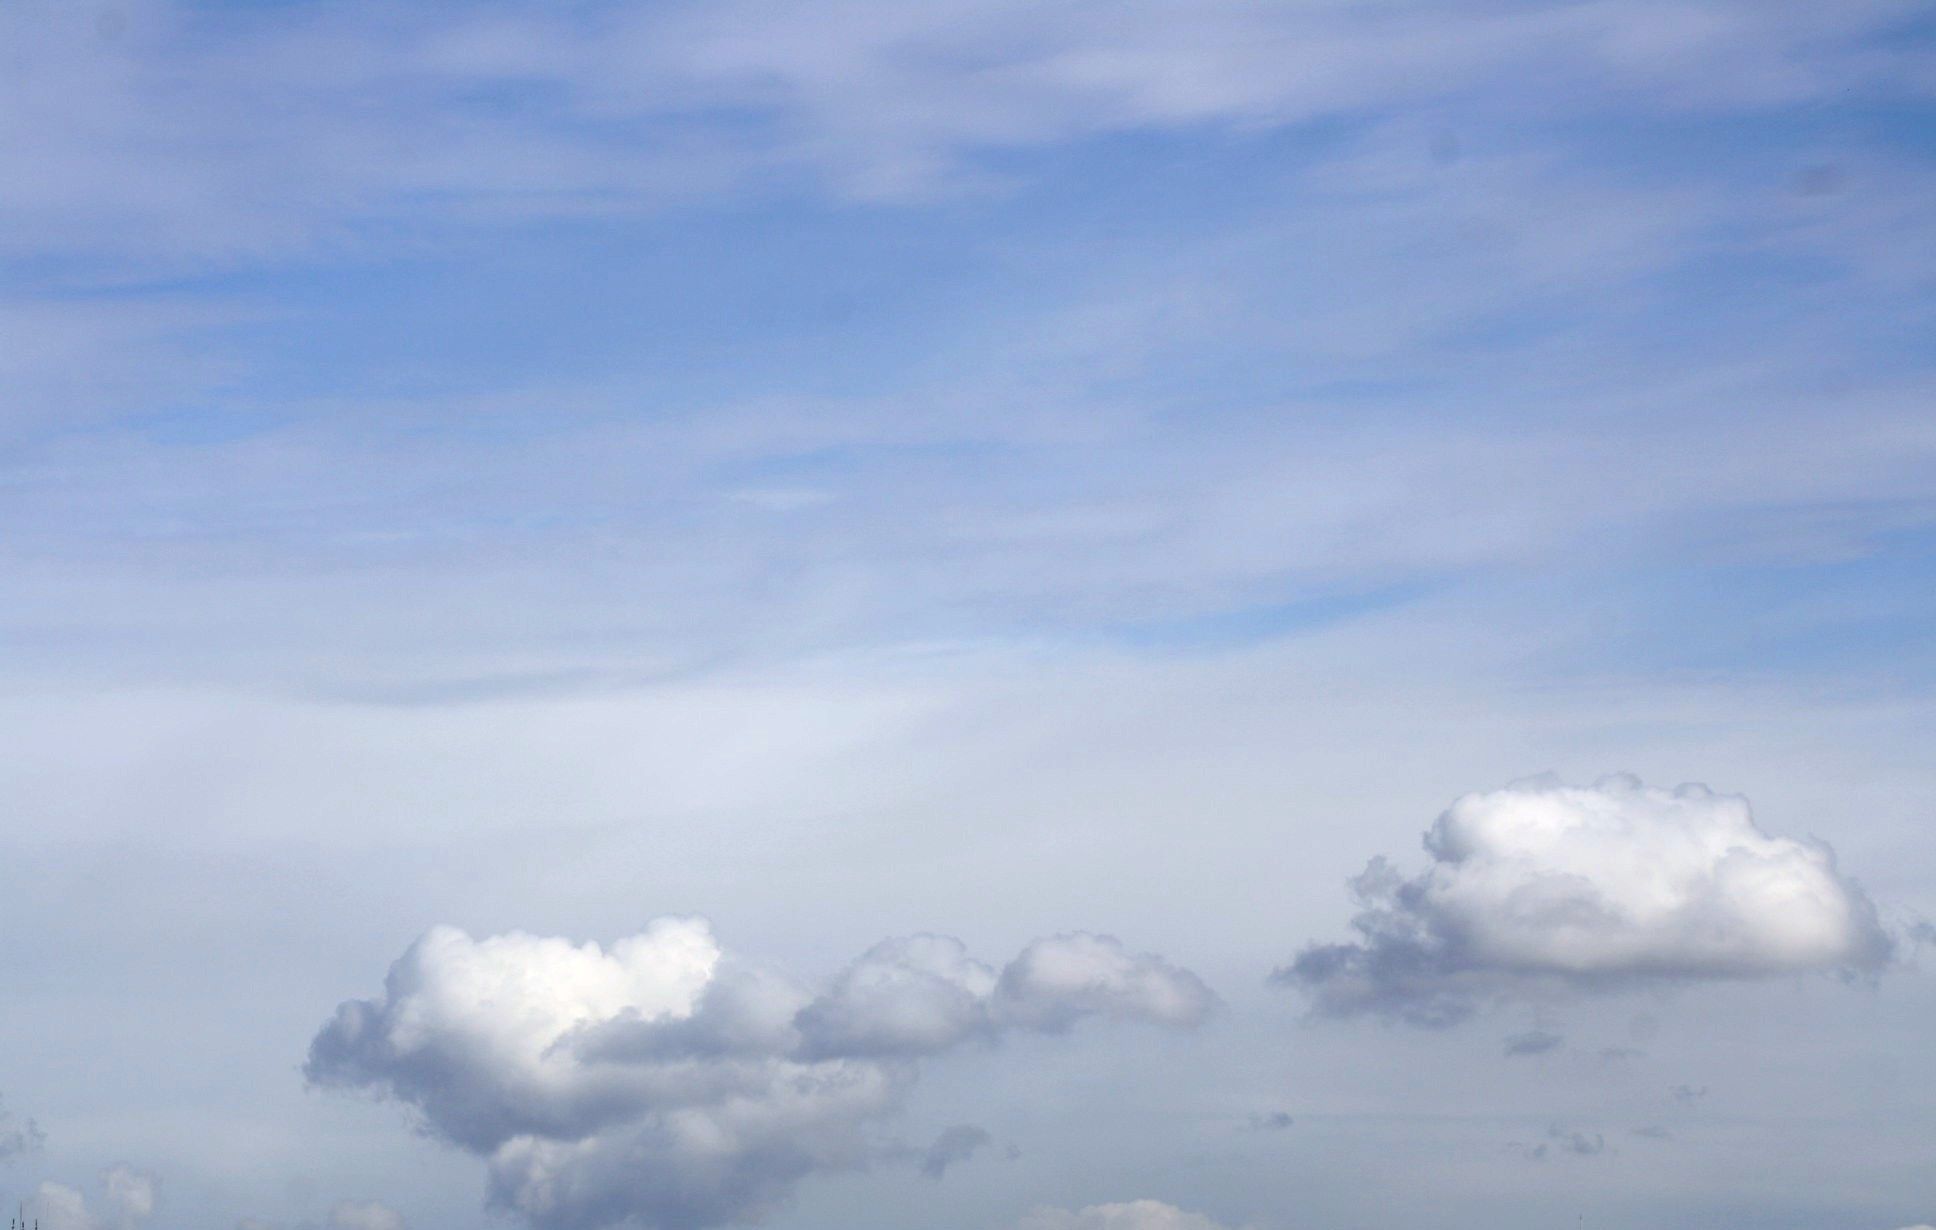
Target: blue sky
(983, 468)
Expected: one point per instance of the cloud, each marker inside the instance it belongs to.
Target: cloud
(1580, 1144)
(240, 143)
(364, 1215)
(912, 996)
(16, 1139)
(343, 1215)
(661, 1081)
(1134, 1215)
(1058, 981)
(955, 1144)
(1534, 1042)
(1563, 1140)
(1544, 883)
(127, 1200)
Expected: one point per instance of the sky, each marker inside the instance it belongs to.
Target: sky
(969, 615)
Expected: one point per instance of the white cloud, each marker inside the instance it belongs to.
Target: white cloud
(661, 1081)
(903, 996)
(1133, 1215)
(239, 144)
(127, 1200)
(1058, 981)
(923, 994)
(1611, 882)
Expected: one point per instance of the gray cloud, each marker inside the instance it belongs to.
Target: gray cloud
(18, 1138)
(1563, 1140)
(912, 996)
(1543, 883)
(1580, 1144)
(1534, 1042)
(343, 1215)
(661, 1082)
(955, 1144)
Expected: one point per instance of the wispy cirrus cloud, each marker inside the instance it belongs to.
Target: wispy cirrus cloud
(164, 132)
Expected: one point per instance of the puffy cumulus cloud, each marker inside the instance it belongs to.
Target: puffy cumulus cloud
(1133, 1215)
(662, 1082)
(908, 996)
(1597, 884)
(923, 994)
(127, 1200)
(1057, 982)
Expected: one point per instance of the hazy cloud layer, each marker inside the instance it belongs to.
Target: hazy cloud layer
(1595, 885)
(364, 1215)
(343, 1215)
(663, 1082)
(1133, 1215)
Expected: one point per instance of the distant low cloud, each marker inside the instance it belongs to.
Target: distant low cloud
(343, 1215)
(127, 1199)
(660, 1082)
(1588, 886)
(1134, 1215)
(364, 1215)
(955, 1144)
(1561, 1140)
(18, 1137)
(1534, 1042)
